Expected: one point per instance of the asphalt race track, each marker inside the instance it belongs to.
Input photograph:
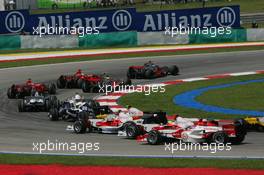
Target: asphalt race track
(18, 131)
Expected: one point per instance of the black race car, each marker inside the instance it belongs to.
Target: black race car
(69, 110)
(150, 70)
(37, 103)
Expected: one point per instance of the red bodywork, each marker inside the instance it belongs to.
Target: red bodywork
(158, 72)
(176, 131)
(22, 90)
(28, 86)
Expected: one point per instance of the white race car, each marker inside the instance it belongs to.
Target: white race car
(197, 132)
(123, 124)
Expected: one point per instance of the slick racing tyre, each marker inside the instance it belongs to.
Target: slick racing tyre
(219, 137)
(154, 137)
(61, 82)
(21, 106)
(48, 105)
(174, 70)
(260, 128)
(165, 70)
(79, 83)
(53, 114)
(131, 73)
(86, 86)
(237, 140)
(240, 126)
(79, 127)
(10, 93)
(52, 88)
(132, 130)
(54, 102)
(149, 74)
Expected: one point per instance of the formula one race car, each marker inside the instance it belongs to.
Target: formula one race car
(197, 132)
(71, 109)
(76, 80)
(103, 84)
(37, 103)
(89, 82)
(150, 70)
(255, 123)
(29, 88)
(114, 123)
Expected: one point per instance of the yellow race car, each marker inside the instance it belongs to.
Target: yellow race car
(255, 123)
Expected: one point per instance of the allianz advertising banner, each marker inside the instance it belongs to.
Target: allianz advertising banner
(122, 19)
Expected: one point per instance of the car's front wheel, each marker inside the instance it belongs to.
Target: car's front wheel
(79, 127)
(154, 137)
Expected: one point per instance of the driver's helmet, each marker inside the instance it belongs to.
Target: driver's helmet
(110, 117)
(79, 71)
(107, 77)
(77, 97)
(29, 81)
(36, 94)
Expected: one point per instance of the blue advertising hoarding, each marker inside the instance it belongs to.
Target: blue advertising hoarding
(122, 19)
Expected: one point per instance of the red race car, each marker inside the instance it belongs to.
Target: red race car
(88, 82)
(197, 132)
(29, 88)
(76, 80)
(104, 84)
(150, 70)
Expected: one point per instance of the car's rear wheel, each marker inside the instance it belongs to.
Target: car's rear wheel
(11, 93)
(165, 70)
(53, 114)
(260, 128)
(86, 86)
(47, 105)
(237, 140)
(94, 89)
(131, 73)
(21, 106)
(79, 83)
(61, 83)
(219, 137)
(52, 88)
(54, 102)
(174, 70)
(132, 130)
(149, 74)
(154, 137)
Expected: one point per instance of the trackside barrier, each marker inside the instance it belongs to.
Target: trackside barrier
(255, 35)
(159, 38)
(47, 41)
(10, 42)
(237, 35)
(124, 39)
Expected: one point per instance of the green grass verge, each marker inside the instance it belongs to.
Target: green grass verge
(118, 56)
(244, 97)
(138, 162)
(163, 101)
(246, 6)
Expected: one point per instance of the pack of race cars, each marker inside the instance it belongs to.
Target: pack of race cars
(88, 115)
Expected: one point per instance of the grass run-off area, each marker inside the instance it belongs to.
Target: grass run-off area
(249, 97)
(137, 162)
(246, 6)
(112, 56)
